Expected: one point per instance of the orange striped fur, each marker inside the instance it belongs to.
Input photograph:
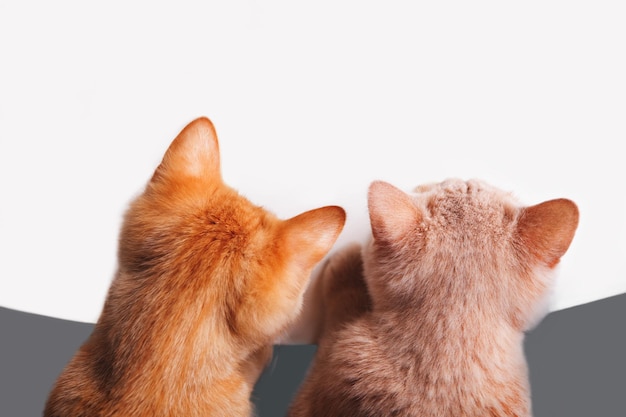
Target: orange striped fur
(206, 281)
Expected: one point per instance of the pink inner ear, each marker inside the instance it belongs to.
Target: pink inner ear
(547, 229)
(392, 212)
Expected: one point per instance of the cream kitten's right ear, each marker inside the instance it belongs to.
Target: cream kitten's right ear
(547, 229)
(193, 153)
(392, 212)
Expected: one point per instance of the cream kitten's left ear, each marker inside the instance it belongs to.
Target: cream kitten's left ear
(392, 212)
(193, 153)
(547, 229)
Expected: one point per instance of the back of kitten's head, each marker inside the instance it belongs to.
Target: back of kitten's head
(465, 242)
(191, 243)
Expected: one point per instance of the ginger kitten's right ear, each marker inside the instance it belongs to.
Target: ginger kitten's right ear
(392, 212)
(193, 153)
(310, 235)
(547, 229)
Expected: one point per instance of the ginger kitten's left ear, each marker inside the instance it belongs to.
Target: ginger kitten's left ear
(193, 153)
(547, 229)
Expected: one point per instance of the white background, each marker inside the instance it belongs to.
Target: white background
(311, 101)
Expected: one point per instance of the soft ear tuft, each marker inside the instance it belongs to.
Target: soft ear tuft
(547, 229)
(193, 153)
(310, 236)
(392, 212)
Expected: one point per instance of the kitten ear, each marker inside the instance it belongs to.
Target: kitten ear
(310, 235)
(547, 229)
(392, 212)
(193, 153)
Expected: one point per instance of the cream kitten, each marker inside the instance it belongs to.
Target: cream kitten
(455, 274)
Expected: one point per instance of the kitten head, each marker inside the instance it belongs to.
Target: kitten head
(464, 243)
(195, 251)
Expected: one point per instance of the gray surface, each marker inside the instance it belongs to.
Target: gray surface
(577, 360)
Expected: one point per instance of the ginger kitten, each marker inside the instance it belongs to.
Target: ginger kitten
(455, 274)
(205, 282)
